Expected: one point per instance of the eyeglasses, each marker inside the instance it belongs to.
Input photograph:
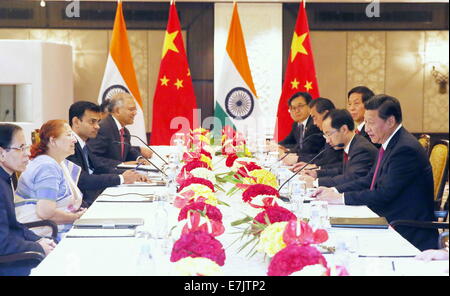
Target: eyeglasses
(21, 148)
(329, 135)
(298, 107)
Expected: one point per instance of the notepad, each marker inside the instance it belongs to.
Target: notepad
(375, 223)
(93, 233)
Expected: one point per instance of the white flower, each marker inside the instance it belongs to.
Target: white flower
(196, 266)
(205, 174)
(311, 270)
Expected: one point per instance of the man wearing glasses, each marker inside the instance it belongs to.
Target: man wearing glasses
(305, 139)
(359, 153)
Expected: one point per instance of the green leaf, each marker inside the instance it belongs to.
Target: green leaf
(241, 221)
(246, 244)
(222, 203)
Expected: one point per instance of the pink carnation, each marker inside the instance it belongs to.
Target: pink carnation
(293, 258)
(212, 212)
(195, 180)
(275, 214)
(198, 244)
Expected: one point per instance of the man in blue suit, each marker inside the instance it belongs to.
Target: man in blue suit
(14, 237)
(400, 184)
(84, 118)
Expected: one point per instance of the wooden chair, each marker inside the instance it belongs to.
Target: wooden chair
(439, 162)
(425, 141)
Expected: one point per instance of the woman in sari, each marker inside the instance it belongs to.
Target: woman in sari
(47, 189)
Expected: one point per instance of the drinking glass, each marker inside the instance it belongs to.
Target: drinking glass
(319, 214)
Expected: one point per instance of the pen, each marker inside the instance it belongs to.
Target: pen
(393, 266)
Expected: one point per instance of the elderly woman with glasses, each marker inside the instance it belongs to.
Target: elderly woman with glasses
(14, 237)
(48, 190)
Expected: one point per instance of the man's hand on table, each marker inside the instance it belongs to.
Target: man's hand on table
(329, 195)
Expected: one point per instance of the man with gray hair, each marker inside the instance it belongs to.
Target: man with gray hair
(112, 143)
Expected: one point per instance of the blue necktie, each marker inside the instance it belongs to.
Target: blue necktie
(86, 158)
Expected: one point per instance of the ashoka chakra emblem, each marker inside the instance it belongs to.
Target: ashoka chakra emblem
(239, 103)
(112, 90)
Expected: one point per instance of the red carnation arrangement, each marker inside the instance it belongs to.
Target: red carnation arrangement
(195, 180)
(194, 164)
(258, 189)
(198, 244)
(212, 212)
(294, 258)
(275, 214)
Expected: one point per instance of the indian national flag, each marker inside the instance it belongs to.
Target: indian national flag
(236, 99)
(120, 75)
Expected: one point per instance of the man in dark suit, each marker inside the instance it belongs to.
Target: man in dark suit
(95, 176)
(112, 144)
(320, 107)
(356, 98)
(400, 185)
(305, 139)
(359, 154)
(15, 237)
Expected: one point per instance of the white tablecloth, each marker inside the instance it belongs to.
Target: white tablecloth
(120, 256)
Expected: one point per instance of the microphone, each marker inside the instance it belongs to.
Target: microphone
(293, 150)
(149, 148)
(340, 145)
(159, 170)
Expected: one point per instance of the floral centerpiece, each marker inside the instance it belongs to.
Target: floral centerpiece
(201, 216)
(198, 244)
(298, 257)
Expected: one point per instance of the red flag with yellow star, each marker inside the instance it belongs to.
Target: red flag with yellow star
(174, 102)
(300, 73)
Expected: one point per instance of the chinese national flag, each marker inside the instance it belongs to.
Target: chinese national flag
(300, 73)
(174, 102)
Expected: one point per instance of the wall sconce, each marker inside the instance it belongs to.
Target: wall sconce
(440, 79)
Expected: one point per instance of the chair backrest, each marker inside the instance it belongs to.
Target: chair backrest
(425, 141)
(439, 164)
(443, 240)
(35, 136)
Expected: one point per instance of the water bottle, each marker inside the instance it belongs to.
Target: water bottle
(160, 225)
(145, 263)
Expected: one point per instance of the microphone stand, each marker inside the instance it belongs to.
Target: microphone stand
(149, 148)
(293, 150)
(309, 162)
(159, 170)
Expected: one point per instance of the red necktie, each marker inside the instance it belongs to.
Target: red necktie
(357, 131)
(345, 158)
(380, 157)
(122, 143)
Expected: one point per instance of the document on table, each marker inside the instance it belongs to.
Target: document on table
(99, 232)
(130, 197)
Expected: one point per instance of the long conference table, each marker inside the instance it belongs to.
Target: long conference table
(381, 252)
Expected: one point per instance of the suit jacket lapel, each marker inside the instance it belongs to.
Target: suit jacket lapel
(388, 151)
(79, 151)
